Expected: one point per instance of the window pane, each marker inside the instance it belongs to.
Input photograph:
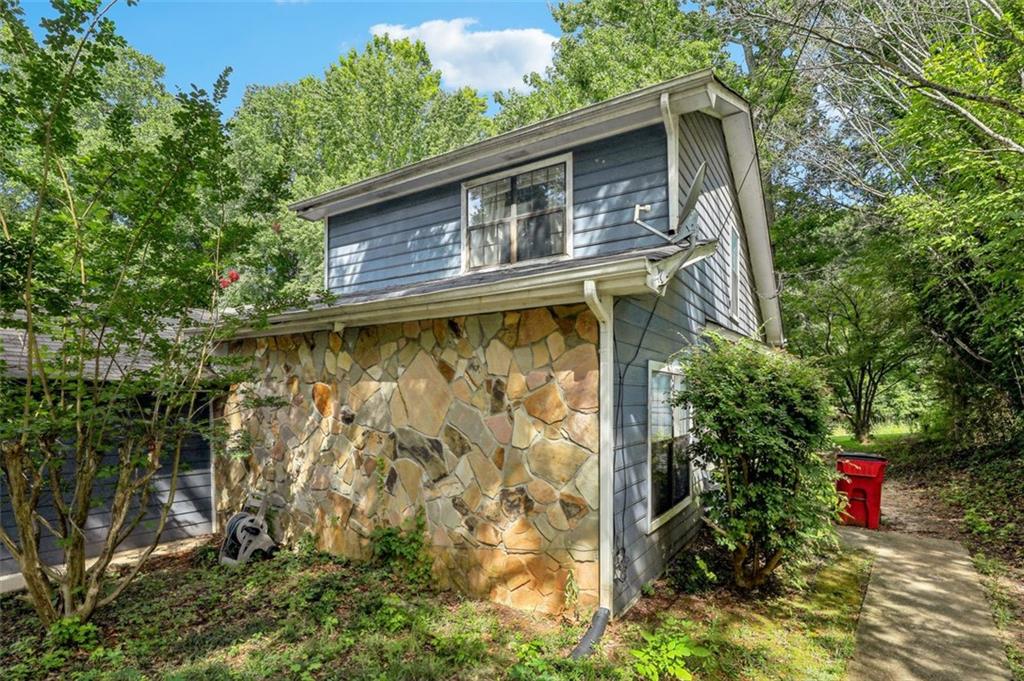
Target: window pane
(540, 189)
(541, 236)
(660, 409)
(669, 427)
(661, 482)
(489, 202)
(489, 245)
(734, 273)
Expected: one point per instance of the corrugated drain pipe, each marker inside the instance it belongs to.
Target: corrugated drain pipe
(586, 645)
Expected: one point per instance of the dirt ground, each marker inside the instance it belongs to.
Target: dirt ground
(915, 509)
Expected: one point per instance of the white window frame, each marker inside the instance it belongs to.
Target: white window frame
(653, 523)
(734, 260)
(565, 158)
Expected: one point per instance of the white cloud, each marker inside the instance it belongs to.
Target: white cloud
(485, 60)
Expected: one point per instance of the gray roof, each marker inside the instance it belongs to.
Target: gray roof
(14, 350)
(528, 285)
(654, 254)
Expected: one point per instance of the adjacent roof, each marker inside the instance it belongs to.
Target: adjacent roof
(14, 355)
(560, 282)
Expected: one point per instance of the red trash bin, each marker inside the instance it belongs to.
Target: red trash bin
(862, 485)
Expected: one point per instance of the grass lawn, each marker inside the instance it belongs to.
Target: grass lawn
(882, 440)
(802, 631)
(311, 616)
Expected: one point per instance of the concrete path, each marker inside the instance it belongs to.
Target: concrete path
(925, 616)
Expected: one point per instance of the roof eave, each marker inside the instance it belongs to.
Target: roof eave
(627, 277)
(698, 91)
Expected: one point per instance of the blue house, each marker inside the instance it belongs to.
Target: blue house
(498, 356)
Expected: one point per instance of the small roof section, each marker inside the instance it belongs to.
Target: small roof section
(635, 272)
(14, 356)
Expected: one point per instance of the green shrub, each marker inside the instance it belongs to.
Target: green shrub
(761, 422)
(691, 573)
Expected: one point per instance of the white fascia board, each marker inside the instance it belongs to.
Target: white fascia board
(670, 118)
(746, 172)
(623, 278)
(698, 91)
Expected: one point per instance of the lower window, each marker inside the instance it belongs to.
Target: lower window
(669, 441)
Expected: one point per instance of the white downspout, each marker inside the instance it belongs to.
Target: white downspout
(670, 119)
(602, 307)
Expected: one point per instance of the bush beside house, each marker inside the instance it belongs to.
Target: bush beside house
(762, 422)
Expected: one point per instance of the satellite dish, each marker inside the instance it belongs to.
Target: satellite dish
(696, 187)
(685, 215)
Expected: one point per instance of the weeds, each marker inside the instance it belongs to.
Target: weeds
(666, 652)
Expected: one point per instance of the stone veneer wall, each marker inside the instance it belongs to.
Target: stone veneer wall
(489, 423)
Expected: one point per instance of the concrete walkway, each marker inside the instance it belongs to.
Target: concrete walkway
(925, 616)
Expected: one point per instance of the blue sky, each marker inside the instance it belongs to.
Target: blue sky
(488, 45)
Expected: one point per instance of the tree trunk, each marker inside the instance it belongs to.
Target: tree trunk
(36, 582)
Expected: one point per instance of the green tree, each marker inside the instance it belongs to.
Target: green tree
(372, 111)
(110, 260)
(927, 132)
(842, 309)
(610, 47)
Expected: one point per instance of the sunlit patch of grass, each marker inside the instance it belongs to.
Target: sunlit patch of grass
(882, 440)
(805, 632)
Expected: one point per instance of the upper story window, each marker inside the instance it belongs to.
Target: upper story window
(668, 436)
(518, 215)
(734, 273)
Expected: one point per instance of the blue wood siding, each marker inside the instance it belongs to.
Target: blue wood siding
(190, 516)
(418, 238)
(411, 239)
(649, 328)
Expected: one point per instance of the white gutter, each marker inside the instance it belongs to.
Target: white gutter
(603, 307)
(559, 287)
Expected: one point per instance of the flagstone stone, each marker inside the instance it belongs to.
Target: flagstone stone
(426, 395)
(583, 429)
(523, 431)
(535, 325)
(577, 374)
(501, 427)
(498, 357)
(545, 404)
(556, 460)
(541, 491)
(483, 421)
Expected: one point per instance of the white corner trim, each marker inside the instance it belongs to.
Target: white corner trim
(746, 173)
(327, 253)
(671, 120)
(603, 309)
